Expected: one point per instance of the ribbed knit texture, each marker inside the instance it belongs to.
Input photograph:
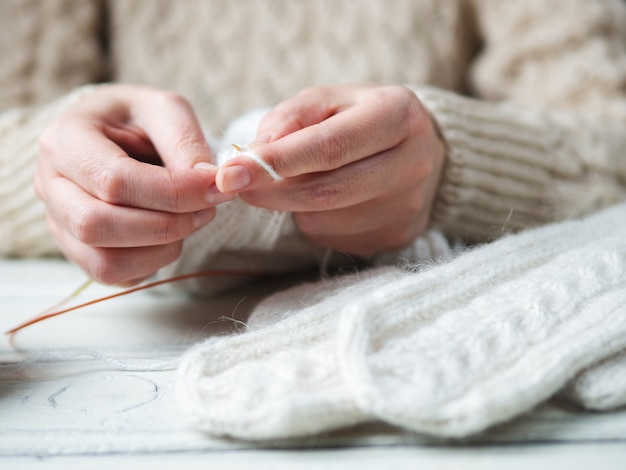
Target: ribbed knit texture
(23, 229)
(448, 351)
(509, 166)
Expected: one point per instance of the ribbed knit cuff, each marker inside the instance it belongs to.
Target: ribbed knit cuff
(447, 351)
(23, 228)
(509, 168)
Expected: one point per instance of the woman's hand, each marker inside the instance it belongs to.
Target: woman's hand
(360, 166)
(125, 175)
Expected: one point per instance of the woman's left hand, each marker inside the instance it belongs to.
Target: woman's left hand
(360, 166)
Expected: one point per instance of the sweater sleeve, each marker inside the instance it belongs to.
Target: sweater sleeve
(23, 228)
(48, 49)
(544, 139)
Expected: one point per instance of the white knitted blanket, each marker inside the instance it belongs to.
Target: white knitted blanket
(447, 350)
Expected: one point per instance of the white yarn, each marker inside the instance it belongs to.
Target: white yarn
(455, 366)
(247, 237)
(237, 227)
(288, 370)
(243, 129)
(244, 151)
(448, 351)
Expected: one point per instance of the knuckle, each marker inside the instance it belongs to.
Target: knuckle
(401, 93)
(164, 232)
(85, 225)
(424, 169)
(318, 195)
(171, 99)
(395, 95)
(190, 141)
(177, 194)
(414, 112)
(38, 185)
(313, 92)
(109, 183)
(330, 147)
(401, 103)
(111, 266)
(47, 140)
(103, 266)
(168, 230)
(171, 252)
(50, 140)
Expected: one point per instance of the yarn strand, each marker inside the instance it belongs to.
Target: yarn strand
(52, 312)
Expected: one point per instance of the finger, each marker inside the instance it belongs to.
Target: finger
(308, 107)
(372, 125)
(364, 180)
(127, 266)
(368, 244)
(364, 245)
(174, 130)
(398, 216)
(102, 168)
(134, 141)
(124, 266)
(115, 266)
(99, 224)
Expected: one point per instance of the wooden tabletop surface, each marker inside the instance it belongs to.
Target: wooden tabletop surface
(67, 400)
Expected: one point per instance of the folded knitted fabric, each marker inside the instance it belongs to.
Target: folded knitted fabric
(448, 351)
(602, 386)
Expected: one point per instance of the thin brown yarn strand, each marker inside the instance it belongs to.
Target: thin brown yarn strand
(53, 311)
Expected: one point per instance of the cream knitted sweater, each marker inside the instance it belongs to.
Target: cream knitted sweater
(544, 141)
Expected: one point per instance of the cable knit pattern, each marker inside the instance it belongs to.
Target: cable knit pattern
(547, 64)
(449, 351)
(553, 150)
(267, 50)
(47, 49)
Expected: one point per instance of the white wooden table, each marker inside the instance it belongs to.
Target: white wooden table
(62, 408)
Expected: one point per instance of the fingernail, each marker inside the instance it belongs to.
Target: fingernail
(214, 196)
(201, 218)
(235, 178)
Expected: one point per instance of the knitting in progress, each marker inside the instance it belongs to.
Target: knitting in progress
(448, 351)
(103, 104)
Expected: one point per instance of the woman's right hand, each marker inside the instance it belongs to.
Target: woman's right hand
(126, 174)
